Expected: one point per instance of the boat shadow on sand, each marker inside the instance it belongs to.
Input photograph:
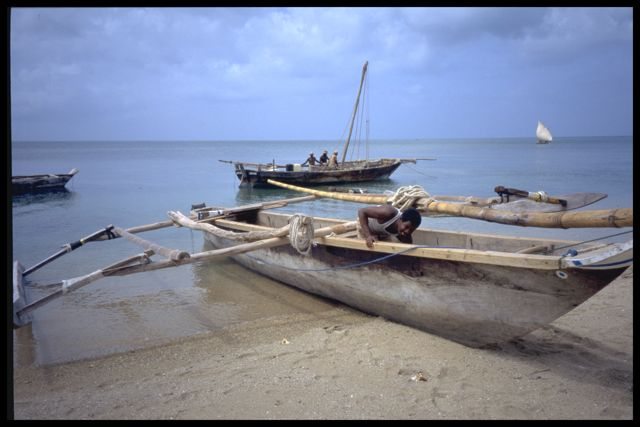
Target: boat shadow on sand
(567, 353)
(557, 350)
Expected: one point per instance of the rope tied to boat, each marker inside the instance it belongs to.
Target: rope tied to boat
(539, 196)
(301, 233)
(406, 196)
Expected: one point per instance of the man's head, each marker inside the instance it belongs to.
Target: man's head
(409, 221)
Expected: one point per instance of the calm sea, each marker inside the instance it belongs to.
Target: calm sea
(133, 183)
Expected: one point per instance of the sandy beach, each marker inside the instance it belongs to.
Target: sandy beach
(343, 364)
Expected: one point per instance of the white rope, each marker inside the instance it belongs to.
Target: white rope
(299, 229)
(406, 196)
(301, 233)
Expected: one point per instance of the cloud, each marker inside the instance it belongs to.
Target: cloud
(121, 62)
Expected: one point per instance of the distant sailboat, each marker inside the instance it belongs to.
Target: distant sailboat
(346, 171)
(543, 134)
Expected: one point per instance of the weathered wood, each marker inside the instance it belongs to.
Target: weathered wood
(225, 212)
(172, 254)
(21, 311)
(622, 217)
(233, 162)
(237, 249)
(474, 296)
(514, 203)
(544, 262)
(362, 198)
(123, 268)
(68, 248)
(215, 213)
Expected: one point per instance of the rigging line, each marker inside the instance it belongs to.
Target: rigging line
(367, 105)
(364, 117)
(421, 173)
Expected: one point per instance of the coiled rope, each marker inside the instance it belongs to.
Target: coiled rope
(301, 233)
(405, 197)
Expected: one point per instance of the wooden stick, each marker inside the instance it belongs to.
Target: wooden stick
(252, 164)
(69, 285)
(226, 212)
(266, 205)
(122, 268)
(361, 198)
(172, 254)
(68, 248)
(622, 217)
(233, 250)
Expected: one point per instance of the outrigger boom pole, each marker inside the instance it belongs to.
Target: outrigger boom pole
(70, 247)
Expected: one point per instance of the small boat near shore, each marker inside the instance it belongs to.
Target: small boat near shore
(476, 289)
(23, 184)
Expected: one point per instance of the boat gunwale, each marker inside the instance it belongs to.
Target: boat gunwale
(355, 165)
(510, 259)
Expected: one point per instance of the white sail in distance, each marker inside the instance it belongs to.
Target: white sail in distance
(543, 134)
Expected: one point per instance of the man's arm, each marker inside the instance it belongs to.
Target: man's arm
(383, 213)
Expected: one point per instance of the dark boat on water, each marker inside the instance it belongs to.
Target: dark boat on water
(345, 172)
(23, 184)
(256, 175)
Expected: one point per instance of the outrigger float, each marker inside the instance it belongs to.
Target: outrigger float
(476, 289)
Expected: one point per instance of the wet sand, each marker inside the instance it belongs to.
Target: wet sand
(343, 364)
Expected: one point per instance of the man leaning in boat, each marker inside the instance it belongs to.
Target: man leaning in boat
(385, 221)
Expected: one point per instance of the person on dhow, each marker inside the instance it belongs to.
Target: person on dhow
(324, 158)
(385, 221)
(333, 161)
(311, 160)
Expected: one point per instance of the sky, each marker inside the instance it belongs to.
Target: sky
(293, 73)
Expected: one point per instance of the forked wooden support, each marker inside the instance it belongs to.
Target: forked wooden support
(141, 263)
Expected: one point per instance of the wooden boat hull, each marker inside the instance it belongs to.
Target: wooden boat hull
(318, 175)
(474, 303)
(24, 184)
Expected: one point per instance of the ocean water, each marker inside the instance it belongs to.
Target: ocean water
(133, 183)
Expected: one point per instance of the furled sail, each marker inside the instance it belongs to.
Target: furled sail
(543, 134)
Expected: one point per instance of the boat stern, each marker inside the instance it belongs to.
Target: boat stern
(609, 257)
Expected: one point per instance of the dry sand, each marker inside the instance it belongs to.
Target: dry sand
(342, 364)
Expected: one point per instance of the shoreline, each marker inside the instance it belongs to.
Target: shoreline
(342, 364)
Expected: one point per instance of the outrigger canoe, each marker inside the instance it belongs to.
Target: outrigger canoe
(476, 289)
